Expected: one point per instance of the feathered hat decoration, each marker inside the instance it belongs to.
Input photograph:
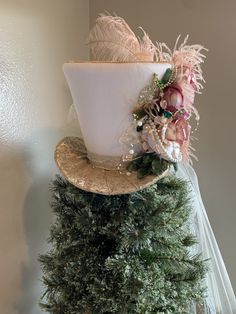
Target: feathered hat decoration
(111, 39)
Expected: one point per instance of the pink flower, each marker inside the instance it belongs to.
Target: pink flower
(174, 98)
(178, 131)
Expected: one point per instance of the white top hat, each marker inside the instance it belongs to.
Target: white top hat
(129, 100)
(104, 95)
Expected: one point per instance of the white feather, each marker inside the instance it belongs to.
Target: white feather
(111, 39)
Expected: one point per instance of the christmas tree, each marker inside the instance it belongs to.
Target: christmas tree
(122, 254)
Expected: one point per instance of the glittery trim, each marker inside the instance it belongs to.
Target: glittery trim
(107, 162)
(71, 158)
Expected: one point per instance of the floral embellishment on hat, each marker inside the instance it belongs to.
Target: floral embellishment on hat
(163, 111)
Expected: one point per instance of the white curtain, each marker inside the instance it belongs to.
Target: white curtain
(221, 298)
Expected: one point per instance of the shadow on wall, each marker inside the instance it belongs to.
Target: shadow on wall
(35, 217)
(14, 252)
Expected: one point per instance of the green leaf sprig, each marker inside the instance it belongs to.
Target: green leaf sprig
(148, 163)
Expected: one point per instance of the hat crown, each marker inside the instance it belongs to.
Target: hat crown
(104, 95)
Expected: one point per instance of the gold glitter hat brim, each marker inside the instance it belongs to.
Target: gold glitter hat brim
(70, 156)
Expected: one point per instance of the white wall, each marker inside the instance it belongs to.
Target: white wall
(213, 24)
(36, 37)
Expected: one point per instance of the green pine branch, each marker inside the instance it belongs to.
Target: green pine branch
(123, 254)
